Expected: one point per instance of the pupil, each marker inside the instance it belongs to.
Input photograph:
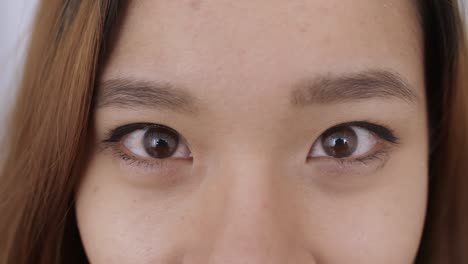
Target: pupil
(160, 142)
(339, 142)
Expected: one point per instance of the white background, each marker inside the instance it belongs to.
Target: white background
(15, 20)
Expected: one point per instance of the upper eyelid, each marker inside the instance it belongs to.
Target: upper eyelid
(382, 153)
(115, 135)
(121, 131)
(118, 133)
(380, 130)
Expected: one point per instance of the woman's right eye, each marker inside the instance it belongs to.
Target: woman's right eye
(153, 141)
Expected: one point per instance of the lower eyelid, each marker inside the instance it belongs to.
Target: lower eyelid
(363, 166)
(380, 149)
(142, 165)
(155, 174)
(149, 165)
(377, 159)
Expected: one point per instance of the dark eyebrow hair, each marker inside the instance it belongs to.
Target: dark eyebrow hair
(323, 89)
(130, 93)
(338, 88)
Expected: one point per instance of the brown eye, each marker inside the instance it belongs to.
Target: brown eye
(340, 142)
(347, 141)
(160, 142)
(156, 142)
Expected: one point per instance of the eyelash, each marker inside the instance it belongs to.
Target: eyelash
(380, 131)
(380, 155)
(113, 142)
(114, 137)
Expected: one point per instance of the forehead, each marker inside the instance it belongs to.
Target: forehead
(265, 43)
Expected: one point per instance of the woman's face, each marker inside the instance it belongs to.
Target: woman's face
(259, 132)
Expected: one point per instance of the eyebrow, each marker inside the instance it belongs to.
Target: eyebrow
(340, 88)
(133, 93)
(322, 89)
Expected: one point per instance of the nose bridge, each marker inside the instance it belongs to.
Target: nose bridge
(251, 219)
(250, 195)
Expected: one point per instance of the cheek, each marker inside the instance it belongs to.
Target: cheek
(121, 224)
(382, 223)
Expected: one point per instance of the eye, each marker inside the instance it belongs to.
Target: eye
(352, 140)
(151, 141)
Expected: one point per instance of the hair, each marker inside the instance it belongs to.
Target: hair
(51, 118)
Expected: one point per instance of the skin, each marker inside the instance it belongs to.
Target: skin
(250, 195)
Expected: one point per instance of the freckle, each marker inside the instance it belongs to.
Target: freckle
(95, 189)
(195, 4)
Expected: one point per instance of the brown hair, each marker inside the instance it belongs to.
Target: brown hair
(51, 117)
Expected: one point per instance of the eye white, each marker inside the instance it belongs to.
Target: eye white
(133, 142)
(366, 142)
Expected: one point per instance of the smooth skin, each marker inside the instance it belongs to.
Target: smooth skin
(250, 192)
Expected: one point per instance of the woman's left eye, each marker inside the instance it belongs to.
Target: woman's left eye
(151, 141)
(357, 140)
